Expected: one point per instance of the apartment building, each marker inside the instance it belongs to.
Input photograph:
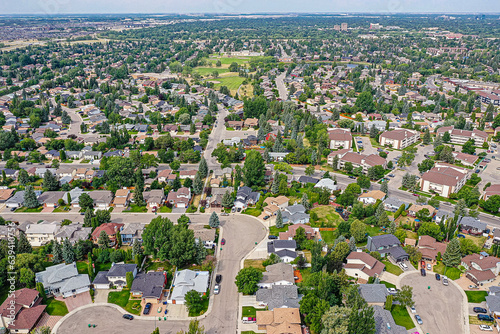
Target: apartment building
(399, 139)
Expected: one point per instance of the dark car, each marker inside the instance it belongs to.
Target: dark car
(352, 177)
(484, 317)
(480, 310)
(218, 278)
(438, 277)
(266, 217)
(147, 309)
(128, 317)
(166, 311)
(223, 241)
(422, 272)
(272, 237)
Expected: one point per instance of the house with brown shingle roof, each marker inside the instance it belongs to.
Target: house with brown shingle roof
(179, 198)
(251, 122)
(414, 208)
(280, 321)
(110, 228)
(494, 189)
(361, 160)
(292, 230)
(430, 248)
(363, 265)
(340, 138)
(371, 197)
(24, 306)
(481, 269)
(122, 198)
(399, 139)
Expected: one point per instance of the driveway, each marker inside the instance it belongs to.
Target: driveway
(77, 300)
(101, 295)
(440, 307)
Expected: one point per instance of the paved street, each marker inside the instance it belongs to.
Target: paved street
(241, 233)
(280, 84)
(440, 307)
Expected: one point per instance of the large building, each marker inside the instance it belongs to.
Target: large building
(458, 136)
(444, 179)
(399, 139)
(358, 160)
(340, 138)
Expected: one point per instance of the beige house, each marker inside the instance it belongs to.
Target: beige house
(279, 321)
(340, 138)
(122, 198)
(371, 197)
(42, 233)
(399, 138)
(363, 265)
(444, 179)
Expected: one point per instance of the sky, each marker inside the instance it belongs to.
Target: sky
(56, 7)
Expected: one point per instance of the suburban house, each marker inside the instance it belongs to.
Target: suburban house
(163, 175)
(42, 233)
(465, 159)
(358, 160)
(280, 320)
(5, 194)
(102, 199)
(187, 174)
(362, 265)
(154, 198)
(204, 235)
(414, 208)
(180, 198)
(371, 197)
(471, 225)
(373, 294)
(295, 214)
(430, 248)
(278, 296)
(131, 232)
(122, 198)
(340, 138)
(149, 286)
(458, 136)
(481, 268)
(116, 276)
(393, 204)
(387, 245)
(494, 189)
(74, 197)
(399, 139)
(292, 229)
(73, 232)
(277, 274)
(185, 281)
(21, 311)
(304, 179)
(245, 196)
(444, 179)
(285, 249)
(281, 202)
(493, 302)
(110, 229)
(63, 280)
(384, 322)
(327, 184)
(50, 199)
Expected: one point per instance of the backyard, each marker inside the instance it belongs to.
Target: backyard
(121, 298)
(56, 307)
(328, 237)
(327, 216)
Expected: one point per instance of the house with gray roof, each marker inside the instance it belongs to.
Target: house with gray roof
(131, 232)
(50, 199)
(285, 249)
(74, 232)
(393, 204)
(384, 322)
(115, 276)
(373, 294)
(245, 196)
(440, 215)
(471, 225)
(295, 214)
(185, 281)
(63, 280)
(279, 296)
(42, 233)
(277, 274)
(387, 245)
(149, 286)
(493, 305)
(102, 199)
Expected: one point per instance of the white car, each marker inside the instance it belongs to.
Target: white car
(403, 266)
(413, 310)
(216, 289)
(486, 328)
(392, 290)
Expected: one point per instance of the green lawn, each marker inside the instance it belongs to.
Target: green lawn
(250, 311)
(328, 237)
(204, 301)
(388, 285)
(476, 296)
(451, 273)
(121, 298)
(392, 268)
(229, 60)
(102, 266)
(252, 212)
(401, 317)
(207, 71)
(248, 332)
(327, 216)
(165, 209)
(233, 83)
(153, 266)
(373, 231)
(56, 307)
(25, 209)
(63, 208)
(82, 267)
(273, 230)
(136, 208)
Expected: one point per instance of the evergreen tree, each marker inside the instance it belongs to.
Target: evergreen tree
(427, 137)
(30, 199)
(305, 202)
(203, 168)
(352, 244)
(65, 118)
(335, 163)
(279, 220)
(136, 248)
(41, 290)
(23, 245)
(67, 252)
(384, 187)
(87, 219)
(275, 188)
(50, 181)
(23, 177)
(214, 220)
(392, 228)
(227, 200)
(177, 183)
(139, 188)
(198, 184)
(103, 240)
(57, 256)
(452, 256)
(379, 211)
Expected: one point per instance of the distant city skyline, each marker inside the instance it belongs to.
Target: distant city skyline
(55, 7)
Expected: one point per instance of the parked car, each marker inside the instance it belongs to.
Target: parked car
(352, 177)
(223, 241)
(403, 266)
(419, 320)
(413, 310)
(218, 279)
(422, 272)
(486, 328)
(266, 217)
(415, 195)
(438, 277)
(128, 317)
(392, 291)
(473, 287)
(273, 237)
(224, 214)
(480, 310)
(249, 320)
(484, 317)
(445, 280)
(216, 289)
(391, 175)
(147, 309)
(166, 311)
(429, 267)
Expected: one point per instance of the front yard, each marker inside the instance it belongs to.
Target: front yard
(252, 212)
(254, 263)
(392, 268)
(451, 273)
(136, 208)
(56, 307)
(273, 230)
(476, 296)
(401, 317)
(250, 311)
(121, 298)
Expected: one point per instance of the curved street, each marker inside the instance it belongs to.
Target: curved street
(241, 233)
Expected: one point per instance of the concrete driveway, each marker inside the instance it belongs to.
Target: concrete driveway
(101, 295)
(440, 307)
(77, 300)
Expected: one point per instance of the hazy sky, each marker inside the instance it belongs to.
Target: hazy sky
(54, 7)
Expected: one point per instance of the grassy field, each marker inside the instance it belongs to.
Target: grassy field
(207, 71)
(328, 237)
(252, 212)
(327, 216)
(451, 273)
(401, 317)
(121, 298)
(233, 83)
(228, 60)
(254, 263)
(392, 268)
(154, 266)
(56, 307)
(250, 311)
(476, 296)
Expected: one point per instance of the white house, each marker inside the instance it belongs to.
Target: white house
(371, 197)
(63, 280)
(277, 274)
(185, 281)
(40, 234)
